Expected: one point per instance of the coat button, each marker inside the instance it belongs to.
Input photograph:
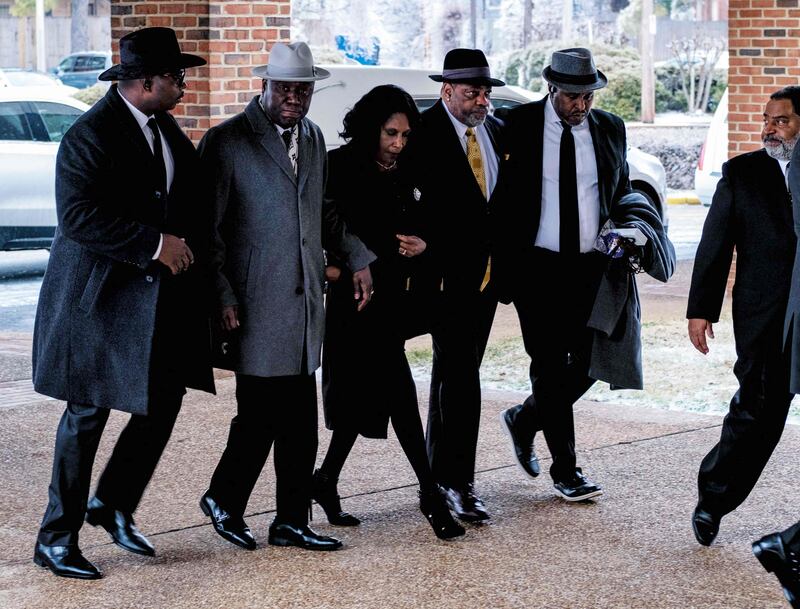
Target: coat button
(304, 240)
(299, 290)
(149, 279)
(157, 194)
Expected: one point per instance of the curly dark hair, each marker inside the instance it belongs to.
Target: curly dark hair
(362, 124)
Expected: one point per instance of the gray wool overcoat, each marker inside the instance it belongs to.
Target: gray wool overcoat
(96, 319)
(269, 231)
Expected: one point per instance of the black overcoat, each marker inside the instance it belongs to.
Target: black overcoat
(792, 324)
(364, 369)
(96, 319)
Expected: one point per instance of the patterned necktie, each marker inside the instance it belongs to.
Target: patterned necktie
(475, 160)
(476, 164)
(158, 155)
(291, 147)
(569, 228)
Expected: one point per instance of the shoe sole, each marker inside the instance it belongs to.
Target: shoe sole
(591, 495)
(288, 544)
(41, 562)
(510, 437)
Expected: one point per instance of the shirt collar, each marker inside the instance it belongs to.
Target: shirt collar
(141, 117)
(551, 116)
(461, 128)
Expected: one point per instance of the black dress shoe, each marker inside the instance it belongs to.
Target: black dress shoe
(466, 505)
(65, 561)
(524, 454)
(120, 526)
(785, 564)
(281, 534)
(434, 507)
(577, 488)
(230, 528)
(705, 526)
(324, 492)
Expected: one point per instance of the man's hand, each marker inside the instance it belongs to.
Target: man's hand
(410, 245)
(175, 254)
(229, 319)
(362, 282)
(332, 273)
(698, 329)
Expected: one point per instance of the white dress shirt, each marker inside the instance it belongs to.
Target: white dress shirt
(169, 161)
(292, 151)
(785, 169)
(588, 192)
(488, 155)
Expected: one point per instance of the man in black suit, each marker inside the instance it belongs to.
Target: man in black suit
(564, 175)
(456, 149)
(118, 325)
(751, 212)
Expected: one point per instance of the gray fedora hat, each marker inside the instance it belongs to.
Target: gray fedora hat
(292, 63)
(573, 70)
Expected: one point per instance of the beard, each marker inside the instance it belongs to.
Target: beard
(783, 151)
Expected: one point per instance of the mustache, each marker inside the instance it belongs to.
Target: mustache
(773, 138)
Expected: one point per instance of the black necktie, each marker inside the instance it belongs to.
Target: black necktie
(569, 230)
(287, 138)
(158, 156)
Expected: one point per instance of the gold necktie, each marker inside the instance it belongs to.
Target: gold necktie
(475, 160)
(476, 163)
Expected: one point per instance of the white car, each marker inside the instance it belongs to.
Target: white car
(713, 153)
(17, 77)
(32, 122)
(334, 96)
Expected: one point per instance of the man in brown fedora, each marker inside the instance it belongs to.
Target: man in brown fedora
(266, 171)
(565, 175)
(457, 151)
(117, 326)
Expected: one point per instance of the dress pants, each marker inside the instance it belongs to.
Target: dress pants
(554, 302)
(454, 410)
(751, 429)
(280, 410)
(127, 473)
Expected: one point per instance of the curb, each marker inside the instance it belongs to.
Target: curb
(683, 199)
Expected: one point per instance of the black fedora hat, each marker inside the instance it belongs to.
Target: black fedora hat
(149, 51)
(468, 66)
(573, 70)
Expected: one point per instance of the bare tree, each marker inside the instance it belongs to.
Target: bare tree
(696, 57)
(79, 29)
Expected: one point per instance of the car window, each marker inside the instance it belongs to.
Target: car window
(66, 63)
(81, 63)
(13, 123)
(96, 63)
(57, 118)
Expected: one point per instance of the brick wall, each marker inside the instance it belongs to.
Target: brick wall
(764, 41)
(232, 36)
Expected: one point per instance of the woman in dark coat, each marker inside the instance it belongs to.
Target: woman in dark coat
(367, 381)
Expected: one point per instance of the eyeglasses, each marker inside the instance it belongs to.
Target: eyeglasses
(177, 76)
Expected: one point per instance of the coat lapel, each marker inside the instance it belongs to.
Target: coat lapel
(270, 140)
(303, 153)
(452, 151)
(604, 158)
(129, 126)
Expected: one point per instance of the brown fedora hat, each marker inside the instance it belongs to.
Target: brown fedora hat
(149, 51)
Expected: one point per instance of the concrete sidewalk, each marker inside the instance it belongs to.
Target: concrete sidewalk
(631, 548)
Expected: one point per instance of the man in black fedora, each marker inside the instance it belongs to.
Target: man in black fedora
(457, 150)
(117, 325)
(564, 176)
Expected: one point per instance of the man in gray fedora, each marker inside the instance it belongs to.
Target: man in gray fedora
(564, 176)
(265, 170)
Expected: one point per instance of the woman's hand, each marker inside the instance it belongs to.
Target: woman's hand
(332, 273)
(410, 245)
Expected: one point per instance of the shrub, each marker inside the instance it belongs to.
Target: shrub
(91, 94)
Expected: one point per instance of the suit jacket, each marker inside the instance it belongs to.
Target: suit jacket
(461, 240)
(750, 211)
(95, 322)
(792, 324)
(520, 190)
(269, 230)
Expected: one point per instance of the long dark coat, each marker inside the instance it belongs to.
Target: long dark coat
(792, 324)
(96, 320)
(364, 367)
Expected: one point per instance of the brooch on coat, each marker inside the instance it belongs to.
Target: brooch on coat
(417, 194)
